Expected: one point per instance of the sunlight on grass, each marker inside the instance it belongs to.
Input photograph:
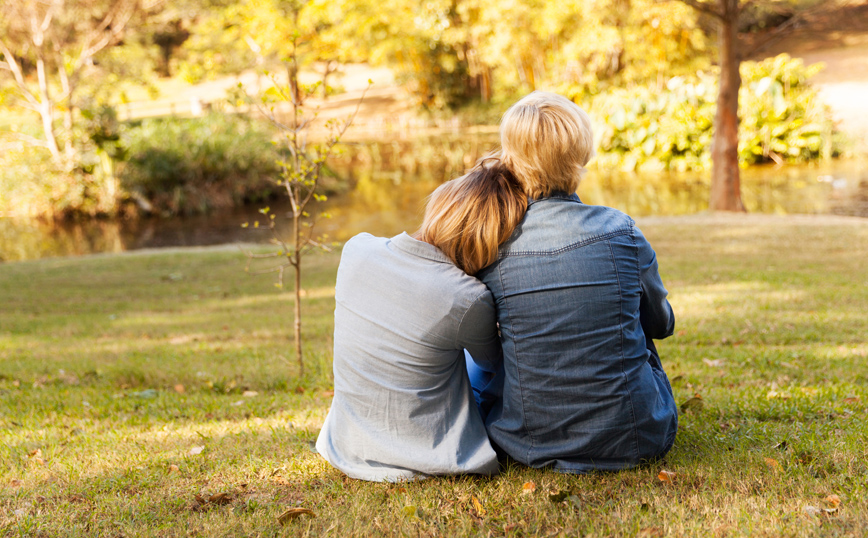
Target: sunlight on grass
(106, 387)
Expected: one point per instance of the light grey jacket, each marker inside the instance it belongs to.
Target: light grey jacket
(403, 405)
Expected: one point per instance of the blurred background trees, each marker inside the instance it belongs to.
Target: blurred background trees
(648, 70)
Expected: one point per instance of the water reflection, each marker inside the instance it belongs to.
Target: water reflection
(386, 184)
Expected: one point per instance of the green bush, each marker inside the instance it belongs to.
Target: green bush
(187, 166)
(671, 129)
(33, 185)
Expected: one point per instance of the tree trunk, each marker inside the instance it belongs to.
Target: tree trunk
(725, 180)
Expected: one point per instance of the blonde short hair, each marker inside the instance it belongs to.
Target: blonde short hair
(546, 141)
(470, 217)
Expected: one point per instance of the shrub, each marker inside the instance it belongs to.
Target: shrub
(187, 166)
(781, 120)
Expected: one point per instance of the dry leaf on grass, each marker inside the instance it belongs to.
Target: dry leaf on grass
(666, 476)
(528, 487)
(477, 505)
(513, 526)
(714, 363)
(179, 388)
(173, 468)
(293, 513)
(773, 464)
(558, 496)
(217, 499)
(811, 510)
(832, 501)
(196, 450)
(693, 404)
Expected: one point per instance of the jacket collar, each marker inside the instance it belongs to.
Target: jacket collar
(556, 195)
(418, 248)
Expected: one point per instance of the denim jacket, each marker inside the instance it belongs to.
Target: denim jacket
(579, 299)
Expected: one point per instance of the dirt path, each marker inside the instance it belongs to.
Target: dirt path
(841, 43)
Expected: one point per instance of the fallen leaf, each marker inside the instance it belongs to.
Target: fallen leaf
(512, 526)
(293, 513)
(693, 404)
(179, 388)
(173, 468)
(773, 464)
(772, 394)
(236, 404)
(410, 511)
(811, 510)
(328, 393)
(14, 483)
(250, 393)
(196, 450)
(851, 400)
(220, 498)
(832, 501)
(558, 496)
(714, 363)
(299, 390)
(666, 476)
(528, 488)
(35, 453)
(477, 505)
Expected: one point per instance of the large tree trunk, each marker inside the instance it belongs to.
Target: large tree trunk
(725, 181)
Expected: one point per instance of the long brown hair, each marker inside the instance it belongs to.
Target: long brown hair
(470, 217)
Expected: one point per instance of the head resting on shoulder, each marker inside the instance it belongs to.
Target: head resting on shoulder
(468, 218)
(546, 141)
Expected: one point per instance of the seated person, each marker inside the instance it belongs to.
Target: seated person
(406, 308)
(579, 299)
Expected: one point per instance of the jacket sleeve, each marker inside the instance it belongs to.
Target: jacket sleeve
(655, 312)
(477, 333)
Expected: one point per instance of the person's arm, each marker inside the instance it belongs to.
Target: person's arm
(477, 333)
(655, 312)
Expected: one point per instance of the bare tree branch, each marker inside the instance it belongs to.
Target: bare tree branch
(108, 31)
(793, 24)
(32, 140)
(13, 66)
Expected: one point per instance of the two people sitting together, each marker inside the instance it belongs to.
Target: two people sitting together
(517, 323)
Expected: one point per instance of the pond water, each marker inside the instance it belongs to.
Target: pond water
(383, 188)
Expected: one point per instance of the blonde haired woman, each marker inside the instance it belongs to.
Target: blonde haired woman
(406, 308)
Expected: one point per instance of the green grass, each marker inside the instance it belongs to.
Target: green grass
(112, 368)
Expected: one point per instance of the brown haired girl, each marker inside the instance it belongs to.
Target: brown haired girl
(406, 308)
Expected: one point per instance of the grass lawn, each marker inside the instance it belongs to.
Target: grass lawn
(153, 394)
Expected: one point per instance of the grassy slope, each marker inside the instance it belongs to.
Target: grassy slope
(772, 334)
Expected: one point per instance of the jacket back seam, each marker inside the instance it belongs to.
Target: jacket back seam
(621, 352)
(567, 248)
